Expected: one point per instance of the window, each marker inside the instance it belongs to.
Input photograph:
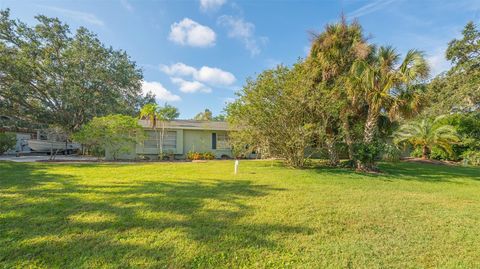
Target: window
(222, 141)
(214, 141)
(169, 139)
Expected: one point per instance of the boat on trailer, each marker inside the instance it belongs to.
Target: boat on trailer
(52, 146)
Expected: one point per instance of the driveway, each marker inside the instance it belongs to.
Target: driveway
(34, 158)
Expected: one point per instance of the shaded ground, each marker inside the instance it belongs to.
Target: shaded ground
(199, 215)
(38, 157)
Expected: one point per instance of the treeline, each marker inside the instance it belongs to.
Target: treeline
(348, 97)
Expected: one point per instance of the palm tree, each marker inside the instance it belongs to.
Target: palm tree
(149, 112)
(388, 86)
(206, 115)
(332, 55)
(427, 133)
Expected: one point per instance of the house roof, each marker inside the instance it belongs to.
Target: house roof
(189, 124)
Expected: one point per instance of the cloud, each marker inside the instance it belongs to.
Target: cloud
(437, 62)
(190, 86)
(369, 8)
(244, 31)
(209, 75)
(215, 76)
(211, 5)
(79, 16)
(159, 91)
(179, 69)
(191, 33)
(125, 4)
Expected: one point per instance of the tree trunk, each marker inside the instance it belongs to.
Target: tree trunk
(332, 151)
(369, 136)
(348, 137)
(370, 126)
(424, 152)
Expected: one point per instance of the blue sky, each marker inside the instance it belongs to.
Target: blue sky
(196, 54)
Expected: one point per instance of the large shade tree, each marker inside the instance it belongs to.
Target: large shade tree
(52, 76)
(458, 89)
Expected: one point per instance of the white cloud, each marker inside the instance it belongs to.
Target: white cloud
(125, 4)
(369, 8)
(79, 16)
(178, 69)
(190, 86)
(211, 5)
(191, 33)
(209, 75)
(159, 91)
(244, 31)
(437, 62)
(215, 76)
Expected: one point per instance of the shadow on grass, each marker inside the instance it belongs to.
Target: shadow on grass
(410, 171)
(54, 221)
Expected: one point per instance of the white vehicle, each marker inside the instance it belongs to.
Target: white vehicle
(52, 146)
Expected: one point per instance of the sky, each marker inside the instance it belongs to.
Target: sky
(196, 54)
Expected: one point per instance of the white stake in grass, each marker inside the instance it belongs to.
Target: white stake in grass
(236, 167)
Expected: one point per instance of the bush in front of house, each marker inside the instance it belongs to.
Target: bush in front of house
(7, 141)
(193, 155)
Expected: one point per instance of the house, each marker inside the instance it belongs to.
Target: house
(179, 138)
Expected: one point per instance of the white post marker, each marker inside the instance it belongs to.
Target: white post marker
(236, 167)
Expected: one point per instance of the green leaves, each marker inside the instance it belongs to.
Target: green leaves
(53, 77)
(115, 133)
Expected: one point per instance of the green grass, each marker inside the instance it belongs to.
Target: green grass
(198, 215)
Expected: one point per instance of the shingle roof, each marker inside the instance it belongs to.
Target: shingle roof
(189, 124)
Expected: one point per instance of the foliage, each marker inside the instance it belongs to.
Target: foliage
(367, 154)
(154, 113)
(113, 133)
(458, 90)
(167, 113)
(437, 153)
(193, 155)
(427, 133)
(471, 157)
(205, 115)
(270, 118)
(7, 141)
(416, 152)
(54, 77)
(208, 155)
(390, 85)
(390, 153)
(331, 96)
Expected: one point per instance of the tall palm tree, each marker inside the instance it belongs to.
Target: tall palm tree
(427, 133)
(389, 85)
(331, 57)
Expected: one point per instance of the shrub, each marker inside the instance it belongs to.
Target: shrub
(367, 154)
(471, 157)
(7, 141)
(390, 153)
(439, 154)
(192, 155)
(208, 155)
(416, 153)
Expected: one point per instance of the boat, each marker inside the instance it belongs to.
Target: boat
(52, 146)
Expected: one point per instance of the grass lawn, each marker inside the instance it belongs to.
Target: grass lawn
(198, 215)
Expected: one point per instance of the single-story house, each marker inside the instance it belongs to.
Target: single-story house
(181, 137)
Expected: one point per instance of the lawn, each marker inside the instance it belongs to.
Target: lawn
(199, 215)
